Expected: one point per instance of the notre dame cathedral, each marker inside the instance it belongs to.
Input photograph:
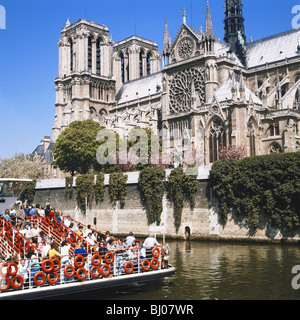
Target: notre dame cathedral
(227, 93)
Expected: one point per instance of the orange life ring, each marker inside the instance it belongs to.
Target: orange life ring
(4, 288)
(9, 269)
(97, 274)
(17, 282)
(35, 278)
(56, 261)
(7, 227)
(60, 227)
(131, 267)
(111, 260)
(66, 232)
(73, 236)
(105, 274)
(79, 264)
(54, 223)
(27, 246)
(96, 255)
(69, 275)
(81, 277)
(154, 263)
(49, 277)
(155, 252)
(3, 265)
(145, 261)
(51, 266)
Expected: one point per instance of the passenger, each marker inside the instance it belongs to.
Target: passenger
(102, 249)
(20, 218)
(41, 246)
(53, 252)
(33, 265)
(46, 249)
(34, 233)
(32, 211)
(149, 243)
(107, 234)
(79, 250)
(119, 254)
(57, 216)
(6, 216)
(68, 221)
(130, 239)
(90, 241)
(110, 245)
(79, 232)
(65, 248)
(22, 270)
(26, 231)
(87, 231)
(47, 210)
(52, 213)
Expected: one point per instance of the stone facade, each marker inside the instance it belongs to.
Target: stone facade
(224, 93)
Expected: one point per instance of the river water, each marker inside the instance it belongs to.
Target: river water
(218, 271)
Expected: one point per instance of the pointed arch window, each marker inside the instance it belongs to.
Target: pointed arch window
(149, 64)
(98, 57)
(71, 55)
(141, 63)
(122, 67)
(252, 139)
(217, 139)
(90, 54)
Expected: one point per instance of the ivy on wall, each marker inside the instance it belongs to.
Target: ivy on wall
(99, 187)
(268, 184)
(118, 187)
(69, 187)
(151, 186)
(29, 191)
(85, 189)
(181, 187)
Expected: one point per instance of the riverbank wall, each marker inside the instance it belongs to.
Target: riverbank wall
(201, 223)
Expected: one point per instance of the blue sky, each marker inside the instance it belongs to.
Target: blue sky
(29, 53)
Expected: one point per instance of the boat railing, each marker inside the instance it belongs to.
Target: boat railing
(12, 241)
(36, 272)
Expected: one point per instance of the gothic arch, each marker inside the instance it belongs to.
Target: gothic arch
(216, 133)
(275, 148)
(252, 132)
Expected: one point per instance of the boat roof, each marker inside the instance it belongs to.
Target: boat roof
(14, 180)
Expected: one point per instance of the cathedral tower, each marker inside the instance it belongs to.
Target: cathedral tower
(234, 27)
(84, 87)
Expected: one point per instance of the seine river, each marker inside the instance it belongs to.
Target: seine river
(217, 271)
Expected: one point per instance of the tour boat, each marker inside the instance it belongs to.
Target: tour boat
(36, 277)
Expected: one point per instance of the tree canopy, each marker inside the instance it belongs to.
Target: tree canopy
(76, 147)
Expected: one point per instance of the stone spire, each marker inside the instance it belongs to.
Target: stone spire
(167, 40)
(234, 29)
(208, 23)
(184, 16)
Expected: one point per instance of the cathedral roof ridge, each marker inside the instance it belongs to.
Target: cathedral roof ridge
(135, 37)
(277, 35)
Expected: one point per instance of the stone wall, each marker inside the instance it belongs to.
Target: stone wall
(200, 223)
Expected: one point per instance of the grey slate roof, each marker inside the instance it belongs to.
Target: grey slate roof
(273, 48)
(140, 88)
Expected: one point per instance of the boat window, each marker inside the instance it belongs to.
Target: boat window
(10, 189)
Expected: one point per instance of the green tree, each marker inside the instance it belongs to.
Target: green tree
(76, 147)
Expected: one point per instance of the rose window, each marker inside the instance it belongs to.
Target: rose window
(183, 85)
